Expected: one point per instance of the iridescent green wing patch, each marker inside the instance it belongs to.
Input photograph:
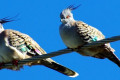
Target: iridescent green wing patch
(23, 48)
(95, 38)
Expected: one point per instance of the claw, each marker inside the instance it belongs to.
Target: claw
(15, 62)
(1, 65)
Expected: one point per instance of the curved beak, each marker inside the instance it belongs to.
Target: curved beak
(62, 20)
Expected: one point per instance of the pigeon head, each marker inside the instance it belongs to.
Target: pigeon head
(66, 15)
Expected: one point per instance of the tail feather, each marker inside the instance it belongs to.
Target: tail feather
(55, 66)
(108, 52)
(111, 56)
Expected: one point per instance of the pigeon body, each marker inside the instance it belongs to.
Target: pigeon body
(15, 45)
(76, 34)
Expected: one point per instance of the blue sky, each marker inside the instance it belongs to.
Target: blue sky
(40, 19)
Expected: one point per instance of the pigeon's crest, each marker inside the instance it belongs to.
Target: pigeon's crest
(72, 7)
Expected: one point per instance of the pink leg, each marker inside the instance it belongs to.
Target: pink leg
(15, 62)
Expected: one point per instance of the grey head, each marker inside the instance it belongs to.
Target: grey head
(66, 15)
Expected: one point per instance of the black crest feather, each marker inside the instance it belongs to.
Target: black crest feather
(72, 7)
(8, 19)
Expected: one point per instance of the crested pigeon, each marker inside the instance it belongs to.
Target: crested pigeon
(76, 34)
(15, 45)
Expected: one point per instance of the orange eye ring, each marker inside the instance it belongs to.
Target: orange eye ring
(68, 16)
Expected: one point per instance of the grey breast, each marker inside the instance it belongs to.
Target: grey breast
(70, 36)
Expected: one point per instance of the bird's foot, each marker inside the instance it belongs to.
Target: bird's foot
(15, 62)
(70, 48)
(1, 65)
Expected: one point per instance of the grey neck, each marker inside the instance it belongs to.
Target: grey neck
(1, 28)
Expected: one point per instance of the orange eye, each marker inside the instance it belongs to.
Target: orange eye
(68, 16)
